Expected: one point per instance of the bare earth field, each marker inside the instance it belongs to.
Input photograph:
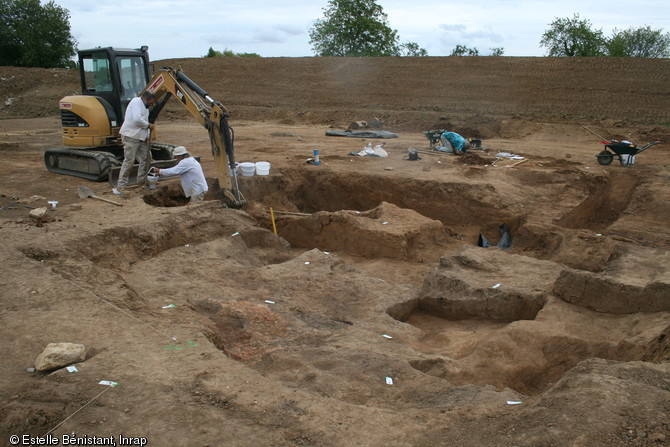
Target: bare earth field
(373, 318)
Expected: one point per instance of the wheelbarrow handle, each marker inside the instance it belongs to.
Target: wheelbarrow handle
(648, 145)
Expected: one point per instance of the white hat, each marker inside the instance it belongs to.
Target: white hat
(179, 150)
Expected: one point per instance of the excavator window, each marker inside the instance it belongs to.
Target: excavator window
(97, 74)
(133, 77)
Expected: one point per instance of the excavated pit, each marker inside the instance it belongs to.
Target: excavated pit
(604, 205)
(371, 216)
(482, 322)
(326, 210)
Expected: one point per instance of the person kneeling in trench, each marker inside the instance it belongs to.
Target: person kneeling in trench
(193, 180)
(454, 143)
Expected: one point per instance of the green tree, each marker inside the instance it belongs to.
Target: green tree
(497, 51)
(35, 35)
(353, 28)
(213, 53)
(639, 42)
(573, 37)
(228, 53)
(412, 49)
(462, 50)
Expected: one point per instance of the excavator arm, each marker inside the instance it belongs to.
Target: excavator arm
(211, 114)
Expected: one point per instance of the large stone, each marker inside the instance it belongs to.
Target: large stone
(39, 214)
(58, 355)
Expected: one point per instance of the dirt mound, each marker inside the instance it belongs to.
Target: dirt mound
(475, 159)
(385, 231)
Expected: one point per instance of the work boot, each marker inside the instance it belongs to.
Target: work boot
(117, 192)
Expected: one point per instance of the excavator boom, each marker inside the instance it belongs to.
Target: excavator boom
(211, 114)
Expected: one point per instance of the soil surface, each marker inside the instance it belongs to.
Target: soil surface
(373, 317)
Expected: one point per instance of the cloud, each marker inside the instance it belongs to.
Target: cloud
(280, 28)
(276, 34)
(481, 38)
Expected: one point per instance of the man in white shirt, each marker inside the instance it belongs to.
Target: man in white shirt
(136, 137)
(193, 180)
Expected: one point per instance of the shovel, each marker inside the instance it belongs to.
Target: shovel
(85, 192)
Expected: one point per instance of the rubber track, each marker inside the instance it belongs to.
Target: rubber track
(106, 161)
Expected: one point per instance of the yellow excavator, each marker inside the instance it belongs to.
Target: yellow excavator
(110, 78)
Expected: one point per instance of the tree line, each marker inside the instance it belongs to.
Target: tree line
(38, 35)
(575, 37)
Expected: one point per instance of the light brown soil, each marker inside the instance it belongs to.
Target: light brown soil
(289, 340)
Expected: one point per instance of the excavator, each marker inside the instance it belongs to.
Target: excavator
(110, 78)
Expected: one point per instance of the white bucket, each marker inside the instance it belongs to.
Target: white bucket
(152, 179)
(247, 169)
(262, 168)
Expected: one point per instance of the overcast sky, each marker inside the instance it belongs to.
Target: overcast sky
(176, 28)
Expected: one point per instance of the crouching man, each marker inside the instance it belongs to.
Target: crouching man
(193, 180)
(454, 142)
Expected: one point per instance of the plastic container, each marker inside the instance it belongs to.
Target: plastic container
(152, 179)
(262, 168)
(247, 169)
(317, 162)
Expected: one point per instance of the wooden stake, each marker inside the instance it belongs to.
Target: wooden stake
(274, 227)
(516, 163)
(291, 213)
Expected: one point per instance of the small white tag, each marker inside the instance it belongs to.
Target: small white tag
(389, 381)
(387, 336)
(72, 369)
(514, 402)
(385, 223)
(235, 234)
(108, 383)
(496, 286)
(169, 306)
(307, 263)
(269, 302)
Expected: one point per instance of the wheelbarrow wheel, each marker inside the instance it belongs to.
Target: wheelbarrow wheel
(605, 158)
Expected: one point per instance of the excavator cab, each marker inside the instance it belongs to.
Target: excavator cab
(116, 75)
(110, 78)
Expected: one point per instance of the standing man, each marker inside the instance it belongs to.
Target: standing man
(136, 137)
(193, 180)
(455, 142)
